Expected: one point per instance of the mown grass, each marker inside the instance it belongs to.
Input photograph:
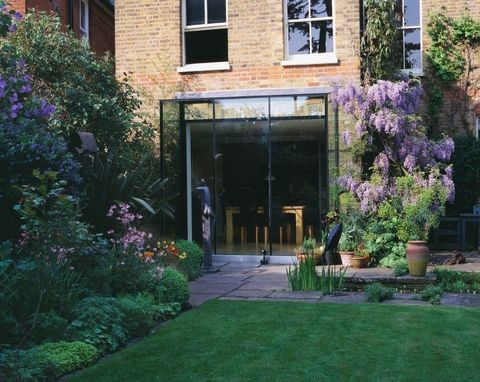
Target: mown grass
(282, 341)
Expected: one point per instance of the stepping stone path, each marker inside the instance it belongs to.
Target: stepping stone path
(246, 281)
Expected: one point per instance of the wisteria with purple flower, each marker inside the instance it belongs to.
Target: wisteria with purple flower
(388, 119)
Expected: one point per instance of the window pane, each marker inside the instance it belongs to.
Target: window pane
(413, 54)
(298, 38)
(216, 11)
(411, 13)
(206, 46)
(322, 36)
(195, 12)
(321, 8)
(297, 9)
(297, 106)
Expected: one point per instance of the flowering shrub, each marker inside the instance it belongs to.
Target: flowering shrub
(387, 120)
(26, 141)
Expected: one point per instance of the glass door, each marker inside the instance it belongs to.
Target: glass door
(241, 173)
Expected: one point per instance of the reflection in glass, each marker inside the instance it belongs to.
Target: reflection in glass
(216, 11)
(298, 38)
(322, 36)
(297, 9)
(297, 106)
(321, 8)
(411, 13)
(241, 108)
(195, 12)
(198, 111)
(413, 53)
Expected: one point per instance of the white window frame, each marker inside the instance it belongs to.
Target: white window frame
(85, 32)
(309, 58)
(208, 66)
(417, 71)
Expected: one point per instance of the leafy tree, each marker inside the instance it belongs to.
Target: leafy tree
(82, 86)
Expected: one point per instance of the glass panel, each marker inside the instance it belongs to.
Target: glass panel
(198, 111)
(241, 108)
(241, 164)
(411, 13)
(206, 46)
(413, 53)
(199, 136)
(298, 181)
(297, 9)
(322, 36)
(321, 8)
(195, 12)
(216, 11)
(298, 38)
(82, 15)
(297, 106)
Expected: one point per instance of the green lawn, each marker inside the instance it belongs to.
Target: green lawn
(282, 341)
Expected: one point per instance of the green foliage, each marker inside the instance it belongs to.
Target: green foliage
(98, 321)
(466, 175)
(354, 225)
(191, 265)
(64, 357)
(400, 267)
(83, 87)
(381, 239)
(173, 287)
(381, 42)
(304, 277)
(419, 215)
(139, 312)
(167, 310)
(49, 326)
(20, 366)
(458, 282)
(456, 34)
(432, 293)
(376, 292)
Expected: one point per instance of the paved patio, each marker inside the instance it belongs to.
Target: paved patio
(246, 281)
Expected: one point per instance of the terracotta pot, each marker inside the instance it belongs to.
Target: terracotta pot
(301, 256)
(346, 258)
(418, 256)
(359, 261)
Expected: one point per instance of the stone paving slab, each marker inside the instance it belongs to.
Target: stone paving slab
(212, 288)
(224, 278)
(249, 293)
(263, 285)
(197, 299)
(406, 302)
(291, 295)
(457, 299)
(345, 298)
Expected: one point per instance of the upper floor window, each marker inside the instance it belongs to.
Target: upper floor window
(84, 23)
(310, 29)
(205, 31)
(411, 30)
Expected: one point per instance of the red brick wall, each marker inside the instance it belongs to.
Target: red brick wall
(102, 23)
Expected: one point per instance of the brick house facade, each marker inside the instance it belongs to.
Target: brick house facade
(91, 18)
(251, 113)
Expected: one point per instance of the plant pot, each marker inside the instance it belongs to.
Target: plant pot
(301, 256)
(346, 258)
(359, 261)
(418, 256)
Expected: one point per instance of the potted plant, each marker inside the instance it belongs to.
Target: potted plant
(353, 232)
(347, 248)
(309, 248)
(360, 259)
(417, 219)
